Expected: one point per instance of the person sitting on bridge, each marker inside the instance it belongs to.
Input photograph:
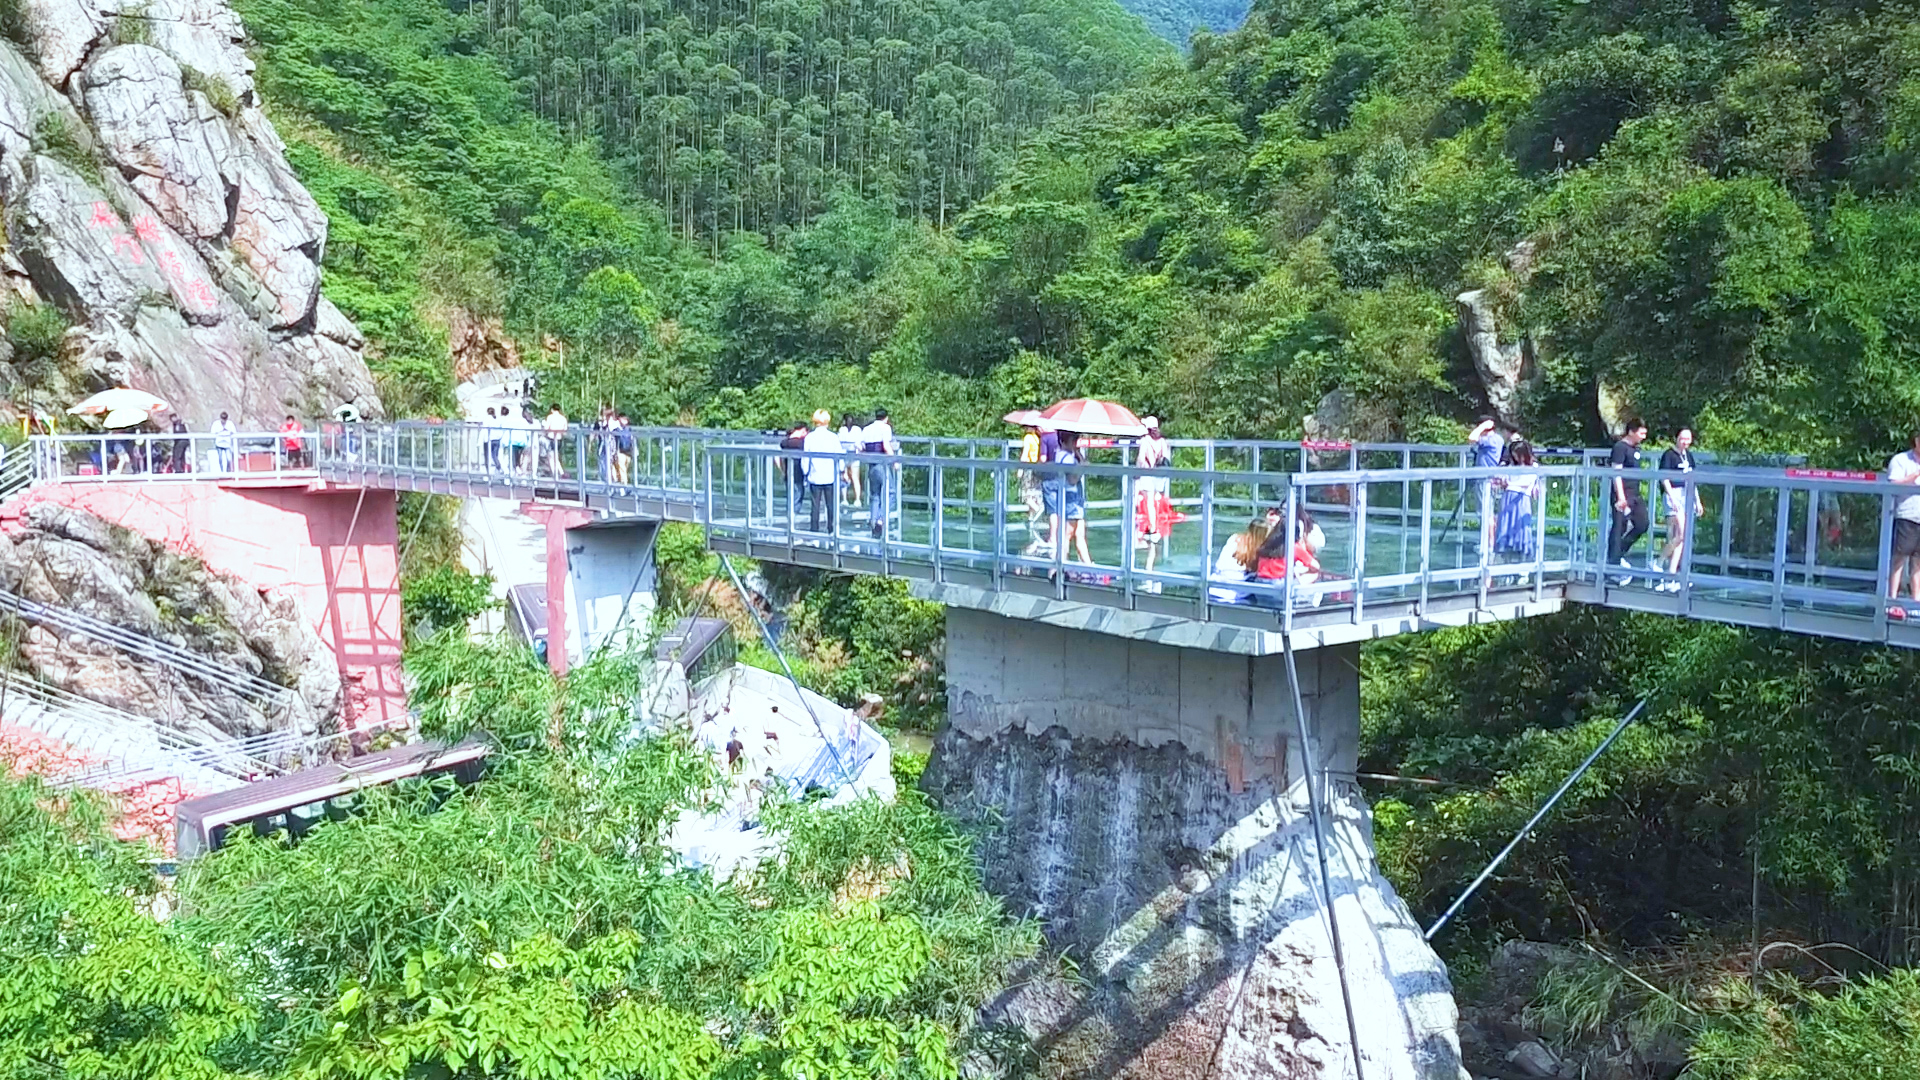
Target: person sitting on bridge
(1271, 560)
(1238, 559)
(1905, 469)
(821, 468)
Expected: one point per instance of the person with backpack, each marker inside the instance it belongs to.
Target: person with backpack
(623, 445)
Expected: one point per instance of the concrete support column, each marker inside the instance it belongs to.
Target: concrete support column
(610, 582)
(1147, 804)
(558, 520)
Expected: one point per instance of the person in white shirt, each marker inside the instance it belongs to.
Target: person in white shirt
(850, 432)
(1905, 469)
(877, 438)
(821, 468)
(556, 434)
(223, 444)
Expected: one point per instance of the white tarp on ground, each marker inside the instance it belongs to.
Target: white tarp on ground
(782, 747)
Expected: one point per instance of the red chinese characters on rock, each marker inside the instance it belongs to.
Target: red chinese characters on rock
(147, 231)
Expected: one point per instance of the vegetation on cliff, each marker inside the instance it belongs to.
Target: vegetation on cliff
(528, 926)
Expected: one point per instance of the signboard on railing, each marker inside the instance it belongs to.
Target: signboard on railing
(1832, 474)
(1325, 444)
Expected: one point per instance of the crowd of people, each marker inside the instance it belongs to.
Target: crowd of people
(814, 475)
(164, 445)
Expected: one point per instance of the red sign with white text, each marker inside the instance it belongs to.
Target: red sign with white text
(1831, 474)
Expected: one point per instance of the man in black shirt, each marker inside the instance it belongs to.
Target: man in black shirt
(1629, 498)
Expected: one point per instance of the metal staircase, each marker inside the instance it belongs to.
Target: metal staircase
(125, 747)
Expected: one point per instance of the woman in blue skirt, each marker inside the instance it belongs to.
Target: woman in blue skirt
(1514, 538)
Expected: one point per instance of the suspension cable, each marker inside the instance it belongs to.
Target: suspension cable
(1308, 758)
(747, 602)
(1632, 715)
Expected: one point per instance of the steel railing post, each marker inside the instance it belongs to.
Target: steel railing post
(1359, 552)
(1426, 544)
(1783, 505)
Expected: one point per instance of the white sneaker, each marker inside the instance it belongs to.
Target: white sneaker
(1624, 579)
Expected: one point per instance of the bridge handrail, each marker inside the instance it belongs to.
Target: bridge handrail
(170, 456)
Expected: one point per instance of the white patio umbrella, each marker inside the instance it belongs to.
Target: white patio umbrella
(117, 399)
(120, 418)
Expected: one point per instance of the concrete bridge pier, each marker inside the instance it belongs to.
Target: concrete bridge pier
(605, 572)
(1146, 803)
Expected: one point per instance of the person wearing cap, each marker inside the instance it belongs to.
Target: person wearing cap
(1152, 497)
(821, 471)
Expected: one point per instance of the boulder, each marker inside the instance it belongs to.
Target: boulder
(61, 32)
(162, 217)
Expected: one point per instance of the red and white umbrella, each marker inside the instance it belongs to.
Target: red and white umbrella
(1023, 417)
(1091, 416)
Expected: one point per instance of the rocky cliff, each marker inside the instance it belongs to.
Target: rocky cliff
(147, 196)
(73, 560)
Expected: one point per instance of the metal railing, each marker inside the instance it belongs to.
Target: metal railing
(112, 457)
(271, 697)
(1403, 541)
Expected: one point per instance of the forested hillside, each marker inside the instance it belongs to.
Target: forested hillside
(1176, 20)
(749, 115)
(1702, 213)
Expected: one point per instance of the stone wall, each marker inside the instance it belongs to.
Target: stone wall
(1145, 803)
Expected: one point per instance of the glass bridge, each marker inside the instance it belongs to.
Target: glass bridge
(1408, 528)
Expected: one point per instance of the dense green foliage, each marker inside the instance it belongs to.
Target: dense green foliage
(1788, 755)
(445, 596)
(1868, 1029)
(528, 926)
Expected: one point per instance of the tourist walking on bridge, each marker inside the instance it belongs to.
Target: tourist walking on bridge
(556, 430)
(850, 431)
(1514, 539)
(290, 442)
(1153, 493)
(1030, 498)
(821, 467)
(1488, 451)
(877, 438)
(1678, 458)
(1905, 469)
(1066, 499)
(1629, 522)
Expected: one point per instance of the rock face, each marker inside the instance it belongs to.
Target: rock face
(148, 196)
(68, 558)
(1194, 915)
(1505, 368)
